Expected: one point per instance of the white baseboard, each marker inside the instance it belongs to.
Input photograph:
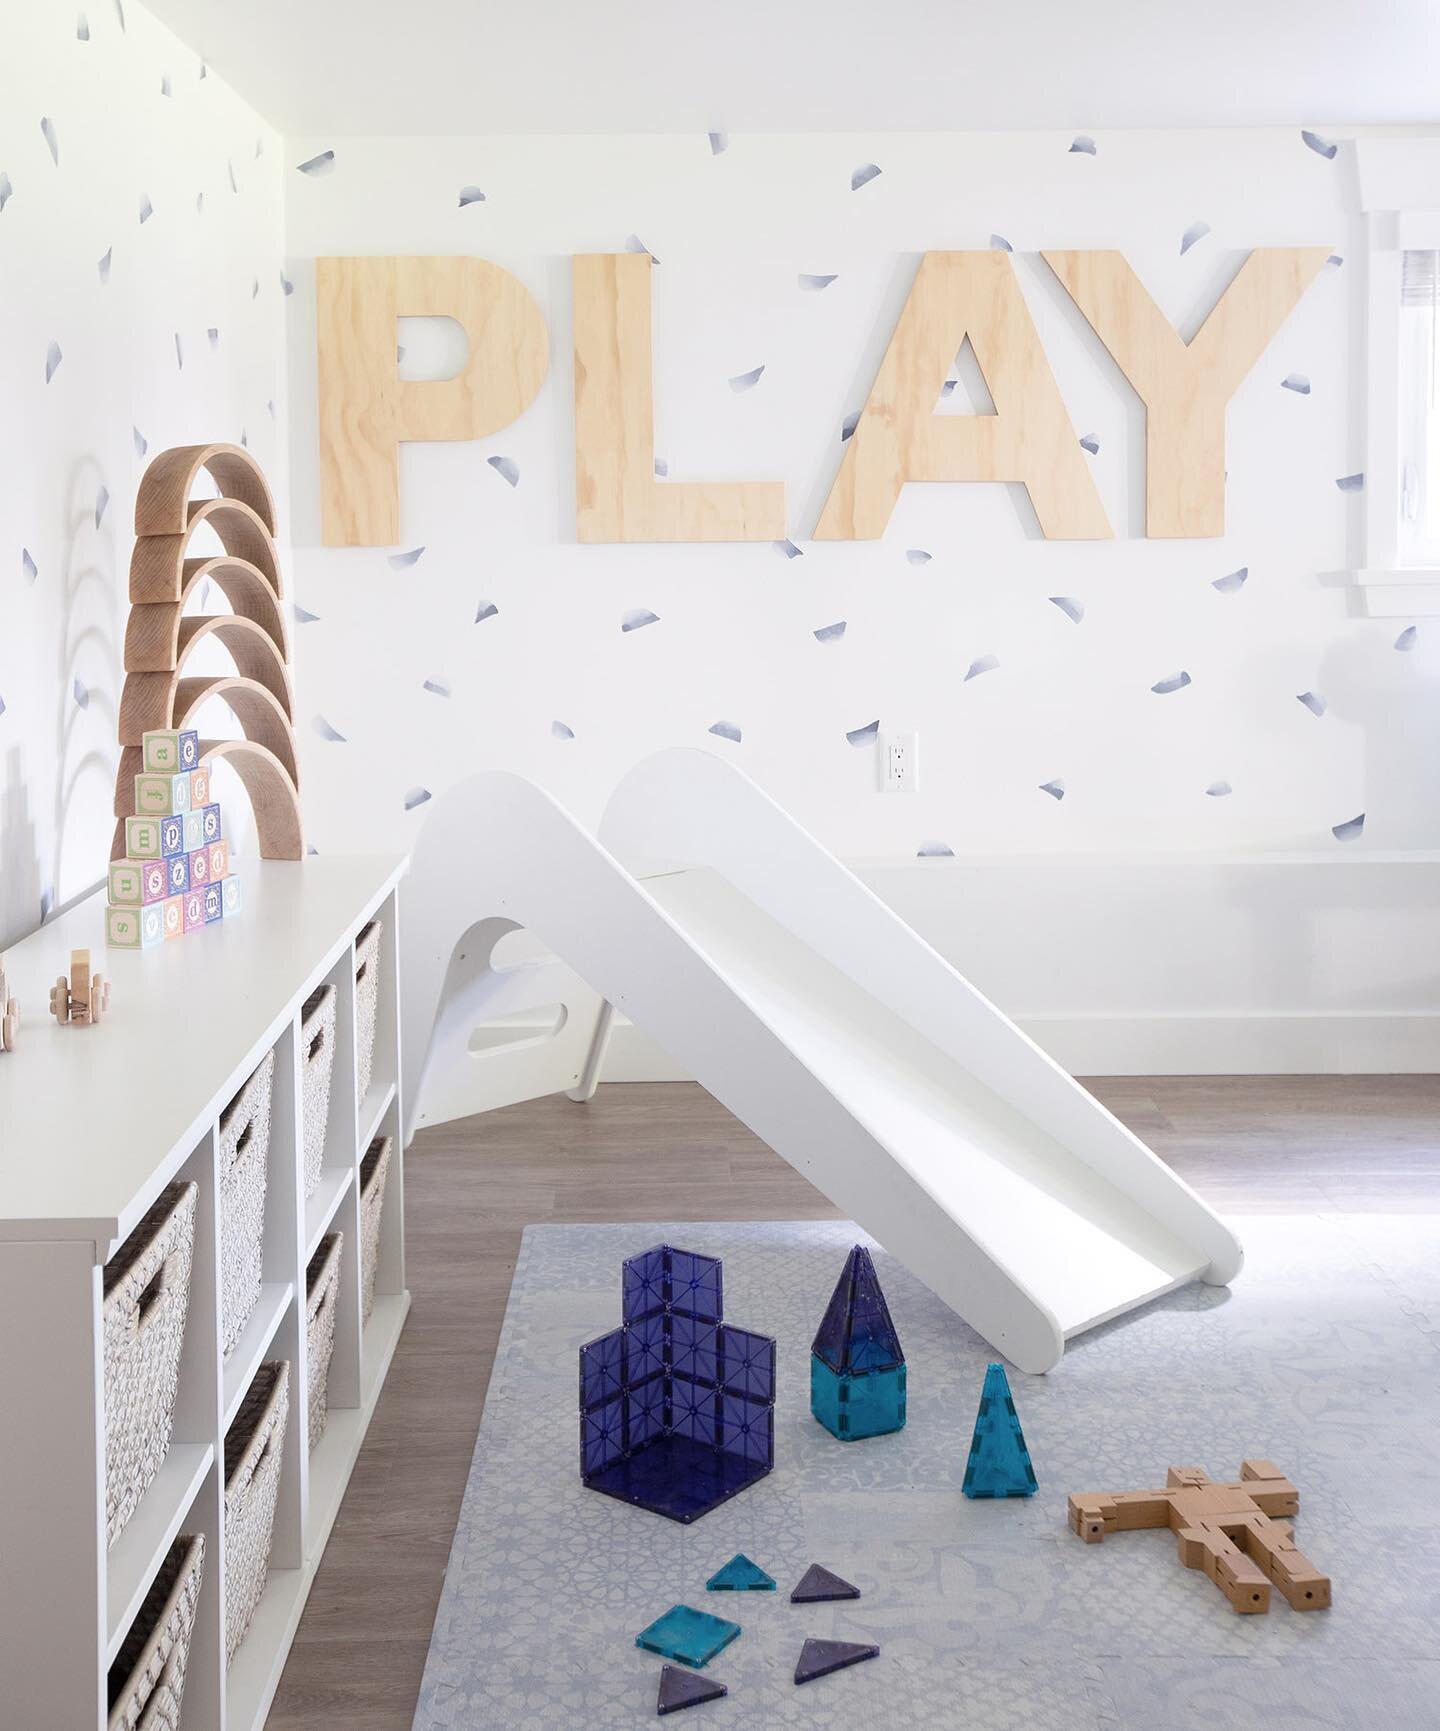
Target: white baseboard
(1278, 1045)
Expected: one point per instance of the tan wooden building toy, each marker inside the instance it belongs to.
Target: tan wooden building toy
(1228, 1530)
(84, 997)
(9, 1014)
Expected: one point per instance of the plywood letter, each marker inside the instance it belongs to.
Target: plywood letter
(366, 410)
(1186, 387)
(900, 438)
(617, 497)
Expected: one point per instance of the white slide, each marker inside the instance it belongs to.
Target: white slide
(815, 1015)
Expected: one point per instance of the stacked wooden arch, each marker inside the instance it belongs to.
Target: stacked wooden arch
(160, 637)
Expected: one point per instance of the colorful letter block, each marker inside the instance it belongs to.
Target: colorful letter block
(199, 786)
(231, 895)
(133, 928)
(177, 869)
(133, 882)
(194, 910)
(142, 838)
(194, 831)
(166, 751)
(214, 903)
(199, 864)
(211, 815)
(161, 795)
(219, 860)
(172, 835)
(172, 914)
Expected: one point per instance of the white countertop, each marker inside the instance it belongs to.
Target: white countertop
(94, 1120)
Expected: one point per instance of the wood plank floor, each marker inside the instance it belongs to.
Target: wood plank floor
(667, 1151)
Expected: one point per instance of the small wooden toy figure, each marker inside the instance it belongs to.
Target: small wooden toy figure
(1226, 1530)
(9, 1014)
(84, 997)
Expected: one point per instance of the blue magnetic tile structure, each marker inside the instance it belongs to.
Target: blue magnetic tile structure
(740, 1575)
(857, 1370)
(680, 1689)
(692, 1637)
(820, 1658)
(999, 1463)
(677, 1407)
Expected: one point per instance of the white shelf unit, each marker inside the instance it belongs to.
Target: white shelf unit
(94, 1123)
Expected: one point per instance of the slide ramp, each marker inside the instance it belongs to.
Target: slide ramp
(825, 1024)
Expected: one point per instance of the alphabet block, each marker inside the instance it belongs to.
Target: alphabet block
(199, 863)
(172, 835)
(231, 896)
(177, 874)
(211, 825)
(134, 882)
(168, 751)
(162, 795)
(193, 912)
(133, 928)
(142, 838)
(219, 860)
(194, 830)
(214, 903)
(172, 914)
(199, 786)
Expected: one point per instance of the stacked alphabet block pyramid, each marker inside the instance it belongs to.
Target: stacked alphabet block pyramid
(175, 877)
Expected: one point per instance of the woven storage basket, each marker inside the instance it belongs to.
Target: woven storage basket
(322, 1297)
(146, 1294)
(374, 1170)
(367, 1002)
(317, 1058)
(244, 1162)
(147, 1679)
(252, 1486)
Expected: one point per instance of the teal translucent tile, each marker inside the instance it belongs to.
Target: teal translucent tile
(999, 1463)
(855, 1406)
(740, 1575)
(689, 1636)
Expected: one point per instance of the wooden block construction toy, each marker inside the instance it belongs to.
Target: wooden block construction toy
(84, 997)
(193, 912)
(177, 869)
(1228, 1530)
(194, 823)
(161, 795)
(135, 882)
(219, 860)
(172, 916)
(168, 751)
(231, 896)
(199, 787)
(140, 928)
(214, 903)
(9, 1013)
(198, 866)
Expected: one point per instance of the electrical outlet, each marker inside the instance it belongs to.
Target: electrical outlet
(902, 763)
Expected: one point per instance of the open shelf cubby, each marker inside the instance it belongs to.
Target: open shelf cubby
(97, 1121)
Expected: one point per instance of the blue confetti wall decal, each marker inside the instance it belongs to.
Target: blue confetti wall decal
(747, 381)
(142, 444)
(1232, 581)
(863, 175)
(849, 424)
(1056, 789)
(719, 143)
(1175, 682)
(416, 796)
(1312, 701)
(1351, 483)
(1406, 639)
(286, 286)
(471, 195)
(82, 28)
(830, 633)
(998, 243)
(1088, 442)
(403, 561)
(1082, 145)
(725, 730)
(506, 468)
(52, 141)
(7, 190)
(1297, 382)
(788, 549)
(315, 166)
(214, 337)
(28, 565)
(662, 468)
(103, 267)
(558, 730)
(324, 729)
(916, 556)
(165, 84)
(53, 358)
(981, 664)
(1321, 146)
(633, 243)
(2, 705)
(199, 204)
(436, 687)
(80, 694)
(1219, 789)
(485, 610)
(1072, 609)
(102, 500)
(812, 284)
(147, 210)
(637, 618)
(179, 354)
(934, 850)
(302, 615)
(120, 14)
(1350, 830)
(1196, 231)
(866, 735)
(230, 170)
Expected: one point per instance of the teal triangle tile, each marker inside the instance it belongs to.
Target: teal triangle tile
(740, 1575)
(999, 1464)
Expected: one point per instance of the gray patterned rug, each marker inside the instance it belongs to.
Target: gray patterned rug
(1323, 1358)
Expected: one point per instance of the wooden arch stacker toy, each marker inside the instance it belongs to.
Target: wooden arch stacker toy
(1227, 1530)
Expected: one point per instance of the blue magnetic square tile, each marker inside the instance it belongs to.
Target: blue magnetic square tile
(747, 1362)
(854, 1407)
(747, 1429)
(602, 1441)
(693, 1410)
(602, 1368)
(644, 1284)
(648, 1345)
(692, 1348)
(648, 1412)
(695, 1285)
(689, 1636)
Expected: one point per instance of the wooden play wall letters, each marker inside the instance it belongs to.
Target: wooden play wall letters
(366, 410)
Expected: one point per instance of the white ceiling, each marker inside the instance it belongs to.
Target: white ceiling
(335, 67)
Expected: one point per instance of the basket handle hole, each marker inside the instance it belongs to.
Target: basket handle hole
(362, 970)
(154, 1291)
(317, 1045)
(242, 1141)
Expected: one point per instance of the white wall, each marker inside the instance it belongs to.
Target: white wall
(136, 121)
